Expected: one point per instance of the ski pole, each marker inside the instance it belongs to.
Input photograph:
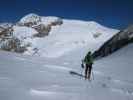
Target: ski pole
(92, 75)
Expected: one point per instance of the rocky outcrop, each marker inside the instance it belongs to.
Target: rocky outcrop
(8, 41)
(119, 40)
(12, 44)
(5, 29)
(42, 30)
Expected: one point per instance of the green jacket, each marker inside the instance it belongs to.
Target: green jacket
(88, 59)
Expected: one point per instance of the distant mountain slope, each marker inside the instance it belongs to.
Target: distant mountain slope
(53, 36)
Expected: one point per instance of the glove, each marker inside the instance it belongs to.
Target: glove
(82, 65)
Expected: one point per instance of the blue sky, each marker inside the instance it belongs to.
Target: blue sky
(112, 13)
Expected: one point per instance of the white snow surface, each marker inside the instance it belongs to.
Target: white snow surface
(49, 19)
(41, 78)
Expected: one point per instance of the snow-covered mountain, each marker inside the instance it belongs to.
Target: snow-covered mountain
(53, 36)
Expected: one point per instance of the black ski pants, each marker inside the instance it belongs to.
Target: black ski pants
(88, 69)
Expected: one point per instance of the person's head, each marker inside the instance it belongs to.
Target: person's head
(89, 52)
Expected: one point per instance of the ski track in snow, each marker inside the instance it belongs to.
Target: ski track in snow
(122, 91)
(58, 67)
(122, 87)
(42, 93)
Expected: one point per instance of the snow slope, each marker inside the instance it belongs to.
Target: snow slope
(36, 78)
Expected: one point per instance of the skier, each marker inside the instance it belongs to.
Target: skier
(88, 60)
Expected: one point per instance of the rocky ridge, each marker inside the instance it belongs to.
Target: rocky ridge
(118, 41)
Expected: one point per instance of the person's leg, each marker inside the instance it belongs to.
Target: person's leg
(89, 73)
(86, 71)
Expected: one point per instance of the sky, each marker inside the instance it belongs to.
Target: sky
(112, 13)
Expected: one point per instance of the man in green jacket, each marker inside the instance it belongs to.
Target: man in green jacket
(88, 60)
